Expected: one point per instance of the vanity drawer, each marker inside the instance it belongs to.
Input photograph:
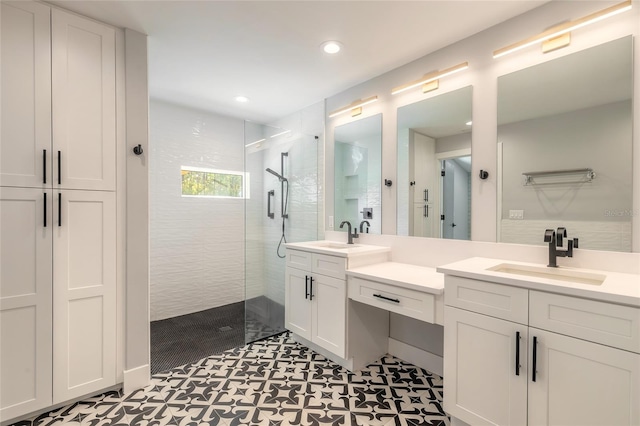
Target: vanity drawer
(496, 300)
(411, 303)
(332, 266)
(298, 259)
(601, 322)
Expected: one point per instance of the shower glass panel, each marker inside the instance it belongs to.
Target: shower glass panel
(282, 204)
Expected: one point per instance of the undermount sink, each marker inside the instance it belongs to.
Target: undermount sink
(558, 274)
(334, 245)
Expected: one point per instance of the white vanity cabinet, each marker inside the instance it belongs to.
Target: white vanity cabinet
(315, 298)
(515, 356)
(58, 208)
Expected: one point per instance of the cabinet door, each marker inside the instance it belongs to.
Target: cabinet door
(84, 280)
(297, 309)
(84, 109)
(25, 120)
(329, 297)
(25, 301)
(422, 220)
(480, 381)
(582, 383)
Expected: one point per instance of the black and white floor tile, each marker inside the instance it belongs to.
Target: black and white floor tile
(273, 382)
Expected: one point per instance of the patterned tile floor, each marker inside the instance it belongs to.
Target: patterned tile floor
(271, 382)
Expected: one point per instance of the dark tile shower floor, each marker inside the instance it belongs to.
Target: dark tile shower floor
(188, 338)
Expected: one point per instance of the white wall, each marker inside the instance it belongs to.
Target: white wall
(197, 244)
(482, 75)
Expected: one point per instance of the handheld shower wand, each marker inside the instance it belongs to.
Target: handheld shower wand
(278, 175)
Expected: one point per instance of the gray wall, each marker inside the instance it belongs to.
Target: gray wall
(453, 143)
(598, 138)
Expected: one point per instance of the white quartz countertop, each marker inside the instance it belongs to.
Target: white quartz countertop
(335, 248)
(616, 287)
(420, 278)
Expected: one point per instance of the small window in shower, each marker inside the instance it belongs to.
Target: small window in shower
(200, 182)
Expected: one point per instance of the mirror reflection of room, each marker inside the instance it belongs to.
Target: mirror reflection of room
(565, 137)
(358, 171)
(434, 166)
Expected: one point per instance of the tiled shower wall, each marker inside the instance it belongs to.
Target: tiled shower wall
(197, 244)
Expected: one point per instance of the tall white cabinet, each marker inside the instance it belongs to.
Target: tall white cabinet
(57, 208)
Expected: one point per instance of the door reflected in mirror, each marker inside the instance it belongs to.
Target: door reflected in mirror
(434, 166)
(565, 138)
(358, 174)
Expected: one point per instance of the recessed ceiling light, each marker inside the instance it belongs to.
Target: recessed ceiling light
(331, 47)
(242, 99)
(468, 123)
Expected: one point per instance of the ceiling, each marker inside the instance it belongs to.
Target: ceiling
(596, 76)
(439, 116)
(205, 53)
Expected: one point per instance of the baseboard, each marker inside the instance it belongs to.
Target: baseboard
(136, 378)
(416, 356)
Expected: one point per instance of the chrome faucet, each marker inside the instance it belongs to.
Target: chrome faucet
(362, 225)
(351, 236)
(555, 240)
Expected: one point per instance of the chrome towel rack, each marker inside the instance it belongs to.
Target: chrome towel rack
(558, 177)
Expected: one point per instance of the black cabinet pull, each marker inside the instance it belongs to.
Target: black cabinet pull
(45, 209)
(306, 286)
(517, 353)
(535, 353)
(59, 209)
(59, 169)
(44, 167)
(311, 288)
(426, 196)
(386, 298)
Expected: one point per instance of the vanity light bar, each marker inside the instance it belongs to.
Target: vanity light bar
(357, 104)
(565, 28)
(428, 78)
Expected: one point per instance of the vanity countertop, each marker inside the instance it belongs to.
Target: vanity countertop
(414, 277)
(335, 248)
(616, 287)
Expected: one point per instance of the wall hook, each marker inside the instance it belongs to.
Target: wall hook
(137, 150)
(484, 174)
(388, 182)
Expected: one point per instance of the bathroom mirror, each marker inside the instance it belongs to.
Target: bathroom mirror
(434, 166)
(565, 141)
(358, 171)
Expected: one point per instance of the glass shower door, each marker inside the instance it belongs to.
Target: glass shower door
(282, 206)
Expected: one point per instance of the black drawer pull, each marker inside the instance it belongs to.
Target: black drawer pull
(535, 358)
(517, 353)
(386, 298)
(306, 286)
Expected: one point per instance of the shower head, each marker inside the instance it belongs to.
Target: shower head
(276, 174)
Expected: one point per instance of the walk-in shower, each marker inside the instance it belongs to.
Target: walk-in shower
(283, 207)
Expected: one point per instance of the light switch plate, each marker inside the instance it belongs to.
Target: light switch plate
(516, 214)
